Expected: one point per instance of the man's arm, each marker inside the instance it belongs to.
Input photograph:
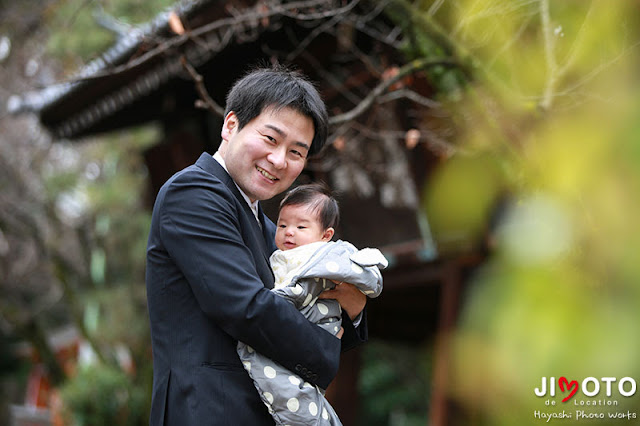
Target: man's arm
(201, 232)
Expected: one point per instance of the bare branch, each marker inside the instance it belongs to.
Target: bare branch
(549, 50)
(313, 35)
(108, 22)
(573, 88)
(466, 62)
(434, 7)
(512, 41)
(413, 66)
(209, 103)
(575, 47)
(331, 79)
(230, 24)
(433, 141)
(367, 61)
(362, 24)
(75, 14)
(313, 16)
(411, 95)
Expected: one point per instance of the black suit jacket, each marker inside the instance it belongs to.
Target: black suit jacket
(208, 281)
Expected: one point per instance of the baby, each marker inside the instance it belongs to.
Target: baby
(307, 263)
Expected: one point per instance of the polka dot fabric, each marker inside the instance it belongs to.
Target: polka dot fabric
(304, 273)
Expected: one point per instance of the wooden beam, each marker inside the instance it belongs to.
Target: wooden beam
(342, 393)
(449, 302)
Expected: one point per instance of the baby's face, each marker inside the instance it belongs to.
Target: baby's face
(297, 226)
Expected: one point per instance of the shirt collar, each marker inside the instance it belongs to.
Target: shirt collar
(253, 205)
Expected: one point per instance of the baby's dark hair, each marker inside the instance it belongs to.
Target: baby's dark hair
(319, 199)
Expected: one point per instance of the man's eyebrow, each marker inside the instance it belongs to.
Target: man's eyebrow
(276, 129)
(303, 145)
(282, 133)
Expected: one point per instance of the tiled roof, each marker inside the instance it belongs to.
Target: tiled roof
(121, 51)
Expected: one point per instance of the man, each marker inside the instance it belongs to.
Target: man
(208, 275)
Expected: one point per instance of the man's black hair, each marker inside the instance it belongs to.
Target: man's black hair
(279, 87)
(320, 201)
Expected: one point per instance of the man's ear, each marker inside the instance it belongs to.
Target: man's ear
(229, 126)
(328, 234)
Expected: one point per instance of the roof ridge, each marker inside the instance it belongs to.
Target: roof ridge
(36, 100)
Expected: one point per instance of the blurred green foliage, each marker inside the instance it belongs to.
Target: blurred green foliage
(554, 108)
(461, 204)
(108, 180)
(546, 114)
(75, 34)
(394, 382)
(103, 396)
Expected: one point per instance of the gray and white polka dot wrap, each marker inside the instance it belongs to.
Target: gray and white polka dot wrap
(309, 271)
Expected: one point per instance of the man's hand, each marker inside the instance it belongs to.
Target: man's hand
(350, 298)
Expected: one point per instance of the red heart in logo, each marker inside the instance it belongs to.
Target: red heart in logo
(573, 384)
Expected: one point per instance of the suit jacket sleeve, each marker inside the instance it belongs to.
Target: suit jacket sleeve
(202, 233)
(354, 336)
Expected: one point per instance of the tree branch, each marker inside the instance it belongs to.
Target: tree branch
(108, 22)
(249, 18)
(549, 50)
(411, 95)
(413, 66)
(434, 143)
(313, 35)
(206, 100)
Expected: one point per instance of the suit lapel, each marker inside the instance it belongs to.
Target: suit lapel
(268, 236)
(209, 164)
(268, 231)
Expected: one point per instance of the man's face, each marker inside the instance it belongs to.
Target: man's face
(268, 153)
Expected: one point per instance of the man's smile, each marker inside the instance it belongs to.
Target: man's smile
(266, 174)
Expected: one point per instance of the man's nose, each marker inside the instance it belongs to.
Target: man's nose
(278, 157)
